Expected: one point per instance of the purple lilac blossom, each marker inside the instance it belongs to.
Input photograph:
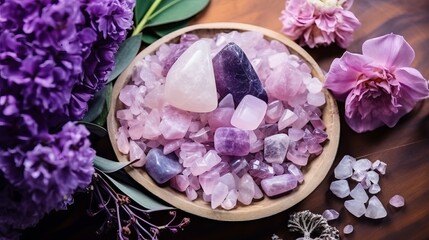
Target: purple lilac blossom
(378, 86)
(54, 56)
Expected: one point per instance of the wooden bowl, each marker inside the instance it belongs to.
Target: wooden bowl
(314, 172)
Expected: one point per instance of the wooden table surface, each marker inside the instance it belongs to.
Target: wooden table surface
(405, 148)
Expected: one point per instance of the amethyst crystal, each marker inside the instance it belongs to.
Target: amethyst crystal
(234, 74)
(232, 141)
(162, 167)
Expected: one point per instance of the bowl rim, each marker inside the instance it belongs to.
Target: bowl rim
(317, 169)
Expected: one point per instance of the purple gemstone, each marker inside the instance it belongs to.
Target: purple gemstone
(162, 167)
(232, 141)
(240, 166)
(279, 184)
(234, 74)
(260, 169)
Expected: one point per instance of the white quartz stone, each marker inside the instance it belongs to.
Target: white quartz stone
(355, 207)
(362, 165)
(358, 193)
(375, 209)
(344, 168)
(340, 188)
(190, 83)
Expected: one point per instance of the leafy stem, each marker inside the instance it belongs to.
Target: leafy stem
(146, 17)
(163, 8)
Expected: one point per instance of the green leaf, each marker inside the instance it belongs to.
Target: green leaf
(149, 37)
(96, 105)
(165, 29)
(125, 55)
(175, 10)
(94, 128)
(138, 196)
(140, 9)
(109, 166)
(101, 119)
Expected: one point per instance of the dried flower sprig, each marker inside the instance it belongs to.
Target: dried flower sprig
(128, 218)
(310, 223)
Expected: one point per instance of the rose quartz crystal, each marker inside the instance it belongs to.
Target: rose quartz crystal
(249, 113)
(190, 83)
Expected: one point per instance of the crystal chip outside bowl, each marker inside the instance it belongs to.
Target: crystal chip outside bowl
(314, 172)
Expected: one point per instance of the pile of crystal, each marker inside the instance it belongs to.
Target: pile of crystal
(228, 120)
(366, 175)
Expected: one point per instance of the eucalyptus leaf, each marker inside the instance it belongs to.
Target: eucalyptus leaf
(101, 119)
(165, 29)
(138, 196)
(94, 128)
(140, 9)
(170, 11)
(149, 37)
(109, 166)
(96, 105)
(125, 55)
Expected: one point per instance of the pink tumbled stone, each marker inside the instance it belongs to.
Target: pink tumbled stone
(258, 192)
(175, 123)
(220, 191)
(127, 94)
(154, 99)
(249, 113)
(229, 180)
(192, 148)
(122, 140)
(136, 130)
(274, 111)
(135, 151)
(231, 200)
(316, 99)
(227, 102)
(287, 119)
(284, 82)
(151, 127)
(296, 156)
(279, 184)
(179, 182)
(172, 146)
(202, 136)
(208, 181)
(302, 117)
(220, 117)
(397, 201)
(204, 164)
(294, 170)
(295, 134)
(124, 114)
(246, 189)
(191, 194)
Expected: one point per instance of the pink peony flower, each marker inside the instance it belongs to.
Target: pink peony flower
(319, 22)
(378, 87)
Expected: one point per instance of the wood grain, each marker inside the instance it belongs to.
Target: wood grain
(404, 147)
